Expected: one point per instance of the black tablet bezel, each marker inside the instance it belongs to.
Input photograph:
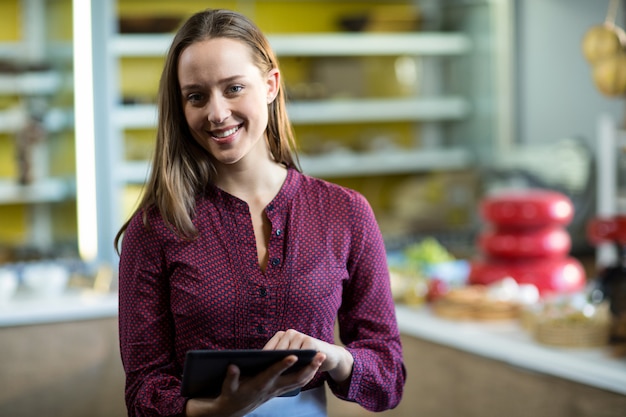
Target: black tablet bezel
(204, 370)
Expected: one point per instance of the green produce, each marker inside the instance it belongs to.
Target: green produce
(428, 251)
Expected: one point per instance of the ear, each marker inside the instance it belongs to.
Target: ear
(273, 84)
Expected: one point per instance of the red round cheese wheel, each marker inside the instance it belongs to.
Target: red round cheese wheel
(607, 229)
(527, 208)
(549, 275)
(535, 242)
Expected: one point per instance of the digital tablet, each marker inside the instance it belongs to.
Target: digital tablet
(205, 370)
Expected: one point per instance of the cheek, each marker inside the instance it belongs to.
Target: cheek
(258, 110)
(194, 118)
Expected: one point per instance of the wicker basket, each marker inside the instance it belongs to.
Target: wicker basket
(591, 334)
(594, 331)
(472, 303)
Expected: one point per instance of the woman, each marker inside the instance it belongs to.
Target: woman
(232, 247)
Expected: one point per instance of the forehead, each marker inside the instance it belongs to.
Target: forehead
(215, 52)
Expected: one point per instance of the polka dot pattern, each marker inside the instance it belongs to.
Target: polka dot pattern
(327, 263)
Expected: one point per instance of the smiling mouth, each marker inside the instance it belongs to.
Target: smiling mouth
(224, 133)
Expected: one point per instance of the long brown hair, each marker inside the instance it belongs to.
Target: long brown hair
(181, 169)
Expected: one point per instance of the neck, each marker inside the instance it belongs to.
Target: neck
(251, 182)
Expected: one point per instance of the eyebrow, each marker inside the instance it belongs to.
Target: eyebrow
(226, 80)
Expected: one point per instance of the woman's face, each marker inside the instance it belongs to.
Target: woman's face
(225, 98)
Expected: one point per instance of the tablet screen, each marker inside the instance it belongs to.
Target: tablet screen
(205, 370)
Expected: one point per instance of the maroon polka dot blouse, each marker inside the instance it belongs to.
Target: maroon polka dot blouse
(326, 262)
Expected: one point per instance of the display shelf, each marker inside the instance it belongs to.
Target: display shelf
(71, 306)
(132, 172)
(36, 77)
(442, 122)
(319, 44)
(385, 162)
(31, 83)
(143, 116)
(135, 116)
(54, 120)
(378, 110)
(359, 44)
(11, 50)
(346, 164)
(48, 190)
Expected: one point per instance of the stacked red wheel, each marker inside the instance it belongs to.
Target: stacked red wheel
(525, 238)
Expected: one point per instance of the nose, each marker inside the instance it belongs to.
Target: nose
(218, 110)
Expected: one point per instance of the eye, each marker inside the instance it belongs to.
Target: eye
(194, 97)
(234, 89)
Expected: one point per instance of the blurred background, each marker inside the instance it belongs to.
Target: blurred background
(429, 108)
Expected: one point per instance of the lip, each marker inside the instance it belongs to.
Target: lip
(225, 139)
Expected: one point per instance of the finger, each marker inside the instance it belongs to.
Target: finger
(292, 339)
(318, 360)
(279, 367)
(303, 376)
(231, 381)
(273, 342)
(283, 344)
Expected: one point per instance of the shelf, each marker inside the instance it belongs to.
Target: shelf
(48, 190)
(320, 44)
(346, 164)
(71, 306)
(359, 44)
(31, 83)
(135, 116)
(436, 120)
(11, 50)
(55, 120)
(385, 162)
(14, 51)
(331, 111)
(378, 110)
(132, 172)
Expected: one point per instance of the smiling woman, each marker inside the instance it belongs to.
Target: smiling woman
(232, 247)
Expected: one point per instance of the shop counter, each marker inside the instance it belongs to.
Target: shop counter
(508, 342)
(453, 367)
(29, 309)
(494, 369)
(61, 356)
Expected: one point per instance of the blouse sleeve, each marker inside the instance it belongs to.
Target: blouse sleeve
(146, 328)
(367, 321)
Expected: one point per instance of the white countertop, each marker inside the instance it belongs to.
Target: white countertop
(70, 306)
(506, 341)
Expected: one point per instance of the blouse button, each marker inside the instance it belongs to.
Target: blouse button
(270, 207)
(275, 261)
(262, 291)
(279, 232)
(260, 329)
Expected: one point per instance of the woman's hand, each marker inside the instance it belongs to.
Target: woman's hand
(241, 396)
(338, 362)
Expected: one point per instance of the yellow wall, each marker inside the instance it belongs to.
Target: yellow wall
(15, 218)
(139, 82)
(9, 29)
(140, 76)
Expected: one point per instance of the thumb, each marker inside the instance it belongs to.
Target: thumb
(231, 381)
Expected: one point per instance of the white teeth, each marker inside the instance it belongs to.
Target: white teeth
(226, 132)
